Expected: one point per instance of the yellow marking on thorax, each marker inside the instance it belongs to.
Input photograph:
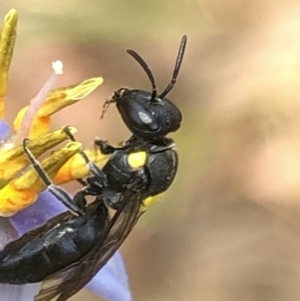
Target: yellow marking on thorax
(137, 160)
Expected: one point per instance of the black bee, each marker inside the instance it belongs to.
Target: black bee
(66, 252)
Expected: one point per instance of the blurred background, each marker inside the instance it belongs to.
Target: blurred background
(229, 227)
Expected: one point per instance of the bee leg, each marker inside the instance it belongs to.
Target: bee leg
(82, 182)
(104, 147)
(58, 192)
(93, 168)
(79, 198)
(93, 187)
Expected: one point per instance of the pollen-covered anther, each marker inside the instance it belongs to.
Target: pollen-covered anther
(23, 191)
(56, 100)
(7, 41)
(14, 160)
(77, 168)
(63, 97)
(14, 200)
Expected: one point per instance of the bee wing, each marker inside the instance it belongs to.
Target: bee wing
(67, 282)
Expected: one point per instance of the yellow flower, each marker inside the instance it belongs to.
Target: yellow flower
(21, 186)
(19, 183)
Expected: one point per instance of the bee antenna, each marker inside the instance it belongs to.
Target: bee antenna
(147, 70)
(177, 67)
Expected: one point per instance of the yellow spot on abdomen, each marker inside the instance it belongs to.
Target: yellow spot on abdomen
(149, 201)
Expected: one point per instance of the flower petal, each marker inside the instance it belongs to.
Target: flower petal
(36, 215)
(4, 130)
(19, 292)
(13, 159)
(23, 191)
(51, 165)
(111, 282)
(7, 232)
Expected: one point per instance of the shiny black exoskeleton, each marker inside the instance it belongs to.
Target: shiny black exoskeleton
(157, 167)
(70, 249)
(150, 117)
(63, 240)
(147, 117)
(147, 114)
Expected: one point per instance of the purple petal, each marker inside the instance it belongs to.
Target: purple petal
(7, 232)
(36, 215)
(19, 292)
(111, 282)
(4, 130)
